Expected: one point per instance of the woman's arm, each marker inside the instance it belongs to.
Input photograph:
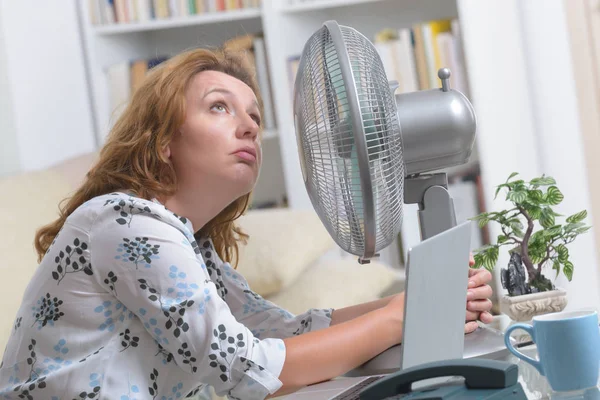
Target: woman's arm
(478, 301)
(322, 355)
(264, 318)
(348, 313)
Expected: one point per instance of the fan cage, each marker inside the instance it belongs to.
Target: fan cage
(326, 138)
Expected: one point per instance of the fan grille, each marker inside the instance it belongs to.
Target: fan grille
(330, 156)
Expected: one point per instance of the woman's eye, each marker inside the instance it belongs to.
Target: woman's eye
(219, 107)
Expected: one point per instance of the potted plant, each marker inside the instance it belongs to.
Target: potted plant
(536, 242)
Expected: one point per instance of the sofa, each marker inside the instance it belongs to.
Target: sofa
(298, 270)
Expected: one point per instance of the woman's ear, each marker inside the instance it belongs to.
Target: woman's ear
(167, 151)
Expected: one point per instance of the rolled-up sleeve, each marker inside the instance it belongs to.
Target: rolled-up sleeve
(147, 262)
(263, 317)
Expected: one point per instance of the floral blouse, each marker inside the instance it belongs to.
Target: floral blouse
(127, 305)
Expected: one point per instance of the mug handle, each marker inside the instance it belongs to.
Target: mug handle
(518, 354)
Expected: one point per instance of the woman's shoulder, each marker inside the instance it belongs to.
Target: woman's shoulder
(123, 208)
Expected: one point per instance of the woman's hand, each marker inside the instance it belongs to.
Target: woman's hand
(478, 297)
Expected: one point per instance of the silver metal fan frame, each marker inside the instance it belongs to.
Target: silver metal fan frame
(359, 140)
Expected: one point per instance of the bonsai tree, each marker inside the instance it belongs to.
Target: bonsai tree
(531, 230)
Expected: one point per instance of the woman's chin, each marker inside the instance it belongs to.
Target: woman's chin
(245, 180)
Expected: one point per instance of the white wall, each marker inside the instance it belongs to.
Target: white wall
(522, 87)
(556, 118)
(46, 85)
(495, 60)
(9, 160)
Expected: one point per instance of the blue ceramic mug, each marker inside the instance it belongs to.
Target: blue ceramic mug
(568, 346)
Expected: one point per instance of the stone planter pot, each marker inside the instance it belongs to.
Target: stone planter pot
(525, 307)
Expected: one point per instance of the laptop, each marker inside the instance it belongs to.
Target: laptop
(436, 295)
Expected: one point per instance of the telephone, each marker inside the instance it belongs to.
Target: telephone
(483, 379)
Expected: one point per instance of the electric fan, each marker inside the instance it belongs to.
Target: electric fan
(364, 151)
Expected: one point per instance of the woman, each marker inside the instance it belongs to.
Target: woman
(132, 298)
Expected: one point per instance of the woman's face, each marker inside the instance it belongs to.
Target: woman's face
(218, 146)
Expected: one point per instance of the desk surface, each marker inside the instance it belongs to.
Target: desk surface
(536, 386)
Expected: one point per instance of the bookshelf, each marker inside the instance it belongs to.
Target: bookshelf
(178, 22)
(301, 6)
(111, 43)
(496, 36)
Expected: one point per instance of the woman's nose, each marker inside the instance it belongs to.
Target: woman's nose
(248, 127)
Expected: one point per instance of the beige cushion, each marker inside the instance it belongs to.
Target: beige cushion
(336, 284)
(74, 169)
(282, 244)
(28, 201)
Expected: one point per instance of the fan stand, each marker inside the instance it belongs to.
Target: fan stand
(436, 214)
(436, 208)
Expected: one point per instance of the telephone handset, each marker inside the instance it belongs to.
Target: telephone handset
(483, 379)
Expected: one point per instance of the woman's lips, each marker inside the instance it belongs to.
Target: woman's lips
(244, 155)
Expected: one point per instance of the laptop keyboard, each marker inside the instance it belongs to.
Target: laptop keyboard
(353, 392)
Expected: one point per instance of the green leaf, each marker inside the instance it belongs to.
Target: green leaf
(568, 270)
(498, 188)
(478, 260)
(483, 249)
(534, 211)
(536, 196)
(547, 218)
(580, 216)
(550, 232)
(556, 267)
(482, 219)
(512, 176)
(491, 259)
(537, 253)
(518, 233)
(516, 226)
(515, 223)
(487, 257)
(502, 239)
(563, 253)
(543, 181)
(517, 196)
(573, 226)
(584, 229)
(554, 196)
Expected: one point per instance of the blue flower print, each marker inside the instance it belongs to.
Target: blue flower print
(13, 379)
(133, 390)
(175, 393)
(110, 309)
(259, 332)
(95, 380)
(181, 290)
(255, 304)
(53, 364)
(137, 251)
(202, 303)
(151, 325)
(94, 391)
(47, 311)
(230, 272)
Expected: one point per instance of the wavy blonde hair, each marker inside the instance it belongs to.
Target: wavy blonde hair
(132, 157)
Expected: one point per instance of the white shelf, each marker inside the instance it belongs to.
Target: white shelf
(169, 23)
(322, 4)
